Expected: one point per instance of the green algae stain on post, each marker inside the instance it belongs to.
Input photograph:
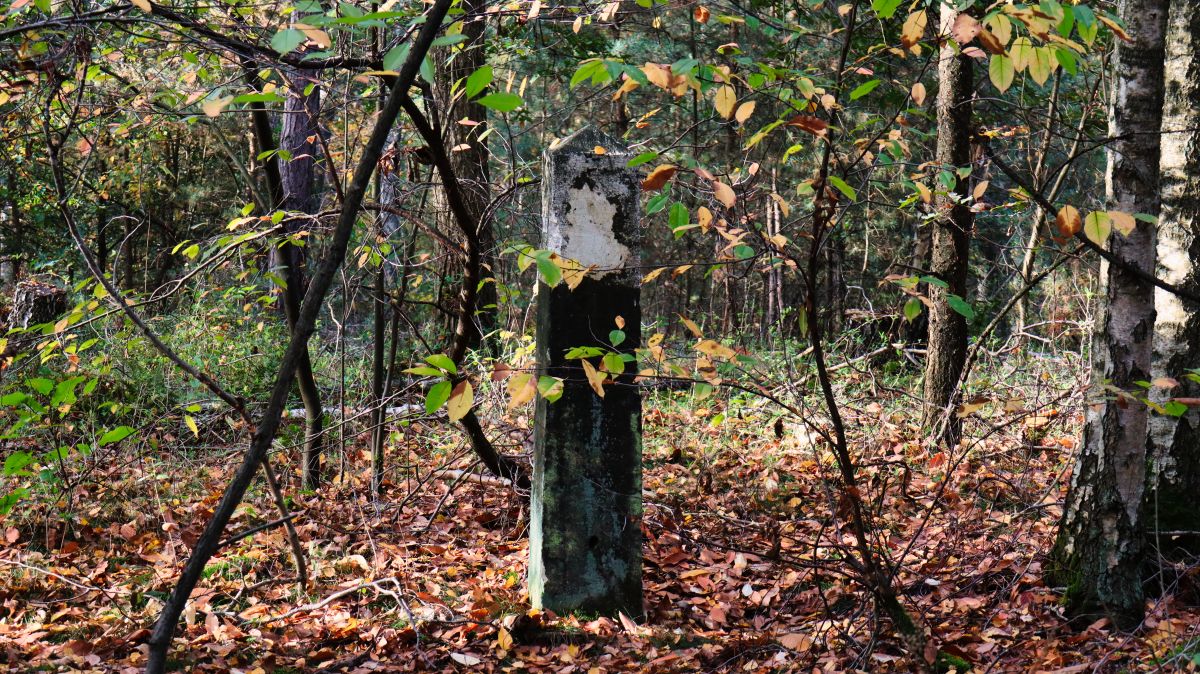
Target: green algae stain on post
(585, 541)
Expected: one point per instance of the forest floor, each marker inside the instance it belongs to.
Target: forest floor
(433, 578)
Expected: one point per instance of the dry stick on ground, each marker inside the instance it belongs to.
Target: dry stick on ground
(114, 295)
(207, 544)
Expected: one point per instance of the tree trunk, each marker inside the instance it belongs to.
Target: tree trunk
(471, 161)
(1099, 552)
(291, 187)
(1174, 441)
(951, 236)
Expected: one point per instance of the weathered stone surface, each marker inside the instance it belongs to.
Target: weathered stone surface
(585, 532)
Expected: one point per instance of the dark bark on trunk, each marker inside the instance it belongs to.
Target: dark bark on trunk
(470, 162)
(290, 186)
(950, 239)
(1099, 554)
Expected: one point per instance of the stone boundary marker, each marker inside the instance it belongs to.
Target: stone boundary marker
(585, 544)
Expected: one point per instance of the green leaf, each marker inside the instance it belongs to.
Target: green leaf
(16, 462)
(41, 385)
(587, 70)
(10, 499)
(115, 435)
(616, 337)
(448, 40)
(286, 40)
(424, 371)
(960, 305)
(656, 203)
(478, 81)
(443, 362)
(864, 89)
(843, 187)
(259, 97)
(394, 58)
(501, 102)
(550, 388)
(912, 309)
(438, 394)
(614, 363)
(1001, 72)
(1175, 408)
(678, 216)
(549, 271)
(426, 70)
(885, 8)
(642, 159)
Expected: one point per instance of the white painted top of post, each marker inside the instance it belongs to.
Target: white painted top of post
(580, 217)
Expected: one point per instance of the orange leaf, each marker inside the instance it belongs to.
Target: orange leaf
(814, 125)
(658, 177)
(1068, 221)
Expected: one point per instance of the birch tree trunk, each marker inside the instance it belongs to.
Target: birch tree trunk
(1175, 441)
(1099, 554)
(951, 233)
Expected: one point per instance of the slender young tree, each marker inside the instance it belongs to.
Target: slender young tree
(1175, 464)
(1099, 552)
(951, 231)
(466, 124)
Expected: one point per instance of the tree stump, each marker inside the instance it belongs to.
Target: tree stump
(36, 302)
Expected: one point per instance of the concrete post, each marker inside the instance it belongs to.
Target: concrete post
(585, 544)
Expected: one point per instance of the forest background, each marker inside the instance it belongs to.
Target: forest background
(920, 368)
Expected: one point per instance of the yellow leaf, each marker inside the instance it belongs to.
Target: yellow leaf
(704, 218)
(795, 641)
(1097, 227)
(599, 150)
(191, 424)
(914, 29)
(783, 204)
(724, 193)
(979, 190)
(744, 111)
(714, 348)
(143, 5)
(320, 37)
(462, 398)
(695, 329)
(504, 639)
(595, 378)
(620, 321)
(653, 275)
(724, 101)
(213, 108)
(926, 195)
(521, 389)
